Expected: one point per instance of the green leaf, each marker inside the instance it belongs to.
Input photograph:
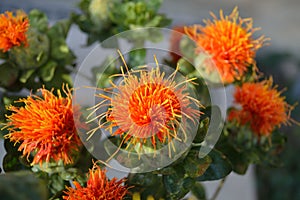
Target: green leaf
(187, 48)
(10, 147)
(102, 73)
(218, 169)
(98, 12)
(33, 56)
(198, 191)
(9, 74)
(59, 48)
(26, 75)
(49, 167)
(56, 184)
(164, 21)
(184, 66)
(3, 55)
(137, 57)
(238, 159)
(22, 185)
(202, 62)
(176, 184)
(155, 22)
(148, 184)
(154, 4)
(216, 123)
(84, 160)
(84, 5)
(14, 162)
(69, 174)
(11, 163)
(202, 130)
(195, 166)
(60, 76)
(154, 35)
(47, 71)
(38, 20)
(60, 29)
(142, 179)
(12, 99)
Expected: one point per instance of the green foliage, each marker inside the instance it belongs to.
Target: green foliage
(9, 75)
(243, 148)
(282, 182)
(22, 185)
(147, 184)
(13, 160)
(44, 61)
(58, 176)
(199, 191)
(195, 166)
(219, 168)
(102, 72)
(48, 61)
(102, 19)
(176, 184)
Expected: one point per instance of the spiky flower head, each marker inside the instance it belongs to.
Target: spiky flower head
(45, 127)
(146, 107)
(13, 30)
(261, 106)
(229, 42)
(98, 187)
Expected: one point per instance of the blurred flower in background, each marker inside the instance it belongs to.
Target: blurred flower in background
(13, 29)
(229, 42)
(262, 107)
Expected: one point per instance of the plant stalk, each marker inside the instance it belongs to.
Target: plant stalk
(220, 186)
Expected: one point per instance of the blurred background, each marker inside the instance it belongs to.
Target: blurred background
(280, 21)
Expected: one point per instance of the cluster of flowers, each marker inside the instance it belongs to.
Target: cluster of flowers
(45, 125)
(230, 43)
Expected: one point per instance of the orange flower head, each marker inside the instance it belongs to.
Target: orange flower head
(229, 42)
(98, 187)
(262, 107)
(146, 106)
(45, 127)
(13, 30)
(176, 35)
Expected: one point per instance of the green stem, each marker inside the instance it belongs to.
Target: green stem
(196, 144)
(220, 186)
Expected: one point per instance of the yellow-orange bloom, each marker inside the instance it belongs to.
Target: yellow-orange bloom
(98, 187)
(262, 107)
(45, 127)
(13, 30)
(146, 105)
(230, 43)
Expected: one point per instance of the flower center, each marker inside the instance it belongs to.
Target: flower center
(153, 104)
